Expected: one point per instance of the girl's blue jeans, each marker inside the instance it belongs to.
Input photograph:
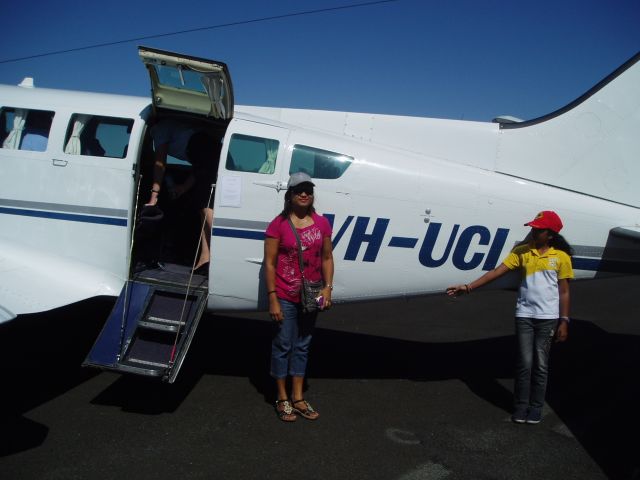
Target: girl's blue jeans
(534, 338)
(291, 341)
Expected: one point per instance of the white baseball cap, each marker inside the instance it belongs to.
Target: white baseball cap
(297, 178)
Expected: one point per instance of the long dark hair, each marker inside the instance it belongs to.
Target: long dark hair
(558, 242)
(288, 207)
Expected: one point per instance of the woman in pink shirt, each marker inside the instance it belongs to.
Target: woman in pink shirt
(294, 328)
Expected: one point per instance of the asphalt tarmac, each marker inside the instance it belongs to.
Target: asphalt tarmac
(407, 389)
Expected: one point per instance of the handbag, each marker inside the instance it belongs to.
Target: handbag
(309, 290)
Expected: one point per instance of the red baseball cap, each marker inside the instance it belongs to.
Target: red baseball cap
(546, 219)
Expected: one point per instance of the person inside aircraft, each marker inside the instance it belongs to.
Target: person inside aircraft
(293, 328)
(542, 309)
(90, 143)
(192, 144)
(36, 132)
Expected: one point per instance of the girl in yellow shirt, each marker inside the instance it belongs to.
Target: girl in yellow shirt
(542, 309)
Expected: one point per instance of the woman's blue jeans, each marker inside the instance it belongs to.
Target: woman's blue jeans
(291, 341)
(532, 362)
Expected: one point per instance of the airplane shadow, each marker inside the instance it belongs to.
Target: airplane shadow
(593, 384)
(40, 356)
(594, 389)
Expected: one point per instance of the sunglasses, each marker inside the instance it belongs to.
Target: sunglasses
(299, 190)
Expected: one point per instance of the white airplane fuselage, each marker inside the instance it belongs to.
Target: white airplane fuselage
(423, 203)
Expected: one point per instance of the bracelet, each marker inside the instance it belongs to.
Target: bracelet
(272, 291)
(466, 285)
(330, 287)
(566, 319)
(155, 191)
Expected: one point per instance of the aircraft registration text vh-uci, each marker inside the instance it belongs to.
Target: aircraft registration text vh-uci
(416, 204)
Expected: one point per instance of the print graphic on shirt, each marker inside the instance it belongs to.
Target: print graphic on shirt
(289, 269)
(309, 236)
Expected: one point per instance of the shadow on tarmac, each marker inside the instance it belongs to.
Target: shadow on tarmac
(593, 385)
(40, 358)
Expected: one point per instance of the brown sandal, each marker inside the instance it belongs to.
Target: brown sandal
(285, 411)
(307, 412)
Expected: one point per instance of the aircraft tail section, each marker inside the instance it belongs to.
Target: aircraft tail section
(590, 146)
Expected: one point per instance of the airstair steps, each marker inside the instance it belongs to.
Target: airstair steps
(161, 324)
(149, 330)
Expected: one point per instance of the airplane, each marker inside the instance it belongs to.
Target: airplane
(416, 204)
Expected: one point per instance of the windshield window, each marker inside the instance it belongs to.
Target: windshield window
(318, 163)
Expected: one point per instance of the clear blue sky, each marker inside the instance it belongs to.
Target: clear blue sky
(460, 59)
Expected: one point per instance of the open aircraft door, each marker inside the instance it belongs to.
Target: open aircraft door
(189, 84)
(155, 318)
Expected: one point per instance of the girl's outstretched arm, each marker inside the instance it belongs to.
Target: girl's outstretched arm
(483, 280)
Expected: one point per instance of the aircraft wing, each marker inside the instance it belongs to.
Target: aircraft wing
(630, 233)
(34, 282)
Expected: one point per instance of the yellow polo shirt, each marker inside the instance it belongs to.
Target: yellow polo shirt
(538, 296)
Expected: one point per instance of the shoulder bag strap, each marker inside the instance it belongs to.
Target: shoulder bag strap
(295, 232)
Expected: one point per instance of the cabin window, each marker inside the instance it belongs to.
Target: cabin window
(318, 163)
(98, 136)
(252, 154)
(25, 129)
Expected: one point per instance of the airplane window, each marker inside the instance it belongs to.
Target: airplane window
(98, 136)
(24, 129)
(252, 154)
(318, 163)
(181, 79)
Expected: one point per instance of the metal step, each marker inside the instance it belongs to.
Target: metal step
(147, 363)
(161, 324)
(149, 330)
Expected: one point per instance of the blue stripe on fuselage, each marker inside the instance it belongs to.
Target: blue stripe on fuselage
(237, 233)
(121, 222)
(579, 263)
(604, 265)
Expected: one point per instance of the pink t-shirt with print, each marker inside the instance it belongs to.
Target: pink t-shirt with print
(288, 278)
